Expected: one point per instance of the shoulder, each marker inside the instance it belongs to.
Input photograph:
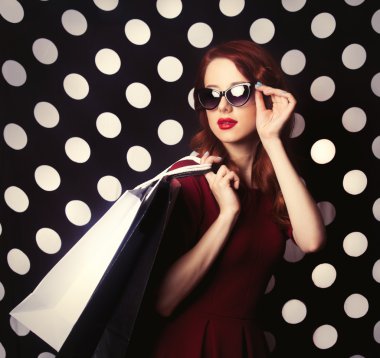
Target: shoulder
(182, 163)
(192, 186)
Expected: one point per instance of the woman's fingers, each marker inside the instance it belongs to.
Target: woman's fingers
(277, 94)
(259, 100)
(232, 179)
(210, 159)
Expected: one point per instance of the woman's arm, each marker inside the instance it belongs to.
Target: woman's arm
(305, 217)
(185, 273)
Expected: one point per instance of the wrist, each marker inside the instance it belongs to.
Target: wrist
(228, 216)
(272, 144)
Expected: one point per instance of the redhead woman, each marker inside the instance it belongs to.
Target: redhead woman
(229, 227)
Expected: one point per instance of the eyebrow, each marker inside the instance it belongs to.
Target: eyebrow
(231, 84)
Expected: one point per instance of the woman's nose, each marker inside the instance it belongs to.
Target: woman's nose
(224, 106)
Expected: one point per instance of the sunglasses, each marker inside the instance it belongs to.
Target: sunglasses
(237, 95)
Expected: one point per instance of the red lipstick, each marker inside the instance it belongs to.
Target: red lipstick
(226, 123)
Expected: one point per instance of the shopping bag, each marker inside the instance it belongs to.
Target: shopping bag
(69, 289)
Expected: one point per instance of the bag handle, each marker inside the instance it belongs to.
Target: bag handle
(179, 172)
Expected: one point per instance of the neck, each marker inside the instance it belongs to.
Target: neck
(243, 154)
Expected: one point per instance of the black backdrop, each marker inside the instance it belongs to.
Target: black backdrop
(71, 144)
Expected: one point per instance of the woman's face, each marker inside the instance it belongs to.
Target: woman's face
(232, 125)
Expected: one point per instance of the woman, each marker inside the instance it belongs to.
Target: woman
(229, 228)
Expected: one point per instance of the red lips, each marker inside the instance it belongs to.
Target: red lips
(226, 123)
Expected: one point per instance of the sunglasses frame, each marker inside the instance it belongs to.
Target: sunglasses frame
(223, 94)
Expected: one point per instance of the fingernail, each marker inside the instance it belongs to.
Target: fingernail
(258, 84)
(206, 154)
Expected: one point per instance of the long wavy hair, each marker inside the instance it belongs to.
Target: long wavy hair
(256, 64)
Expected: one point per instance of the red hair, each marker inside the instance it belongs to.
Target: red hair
(256, 64)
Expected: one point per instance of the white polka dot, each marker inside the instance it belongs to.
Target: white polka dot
(323, 151)
(323, 25)
(18, 261)
(357, 356)
(323, 275)
(76, 86)
(375, 84)
(354, 2)
(299, 125)
(46, 355)
(200, 35)
(18, 327)
(170, 132)
(169, 8)
(190, 98)
(231, 7)
(293, 62)
(375, 21)
(170, 68)
(16, 199)
(293, 5)
(292, 252)
(327, 211)
(15, 136)
(138, 95)
(2, 351)
(376, 147)
(12, 11)
(354, 182)
(376, 332)
(108, 125)
(354, 56)
(109, 188)
(322, 88)
(45, 51)
(138, 158)
(1, 229)
(46, 114)
(356, 305)
(74, 22)
(355, 244)
(107, 61)
(271, 340)
(325, 336)
(270, 284)
(376, 209)
(294, 311)
(77, 149)
(78, 212)
(48, 240)
(262, 31)
(106, 5)
(376, 272)
(2, 291)
(137, 31)
(14, 73)
(354, 119)
(47, 178)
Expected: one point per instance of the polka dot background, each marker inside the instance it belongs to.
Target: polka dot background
(97, 97)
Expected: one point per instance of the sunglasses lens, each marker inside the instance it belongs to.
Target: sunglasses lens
(238, 95)
(208, 98)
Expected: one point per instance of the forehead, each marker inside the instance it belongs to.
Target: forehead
(221, 73)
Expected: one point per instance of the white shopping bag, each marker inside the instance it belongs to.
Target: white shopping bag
(56, 304)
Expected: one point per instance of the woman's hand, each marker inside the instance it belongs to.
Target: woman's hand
(270, 121)
(223, 185)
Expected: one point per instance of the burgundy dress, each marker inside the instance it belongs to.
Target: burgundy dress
(218, 319)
